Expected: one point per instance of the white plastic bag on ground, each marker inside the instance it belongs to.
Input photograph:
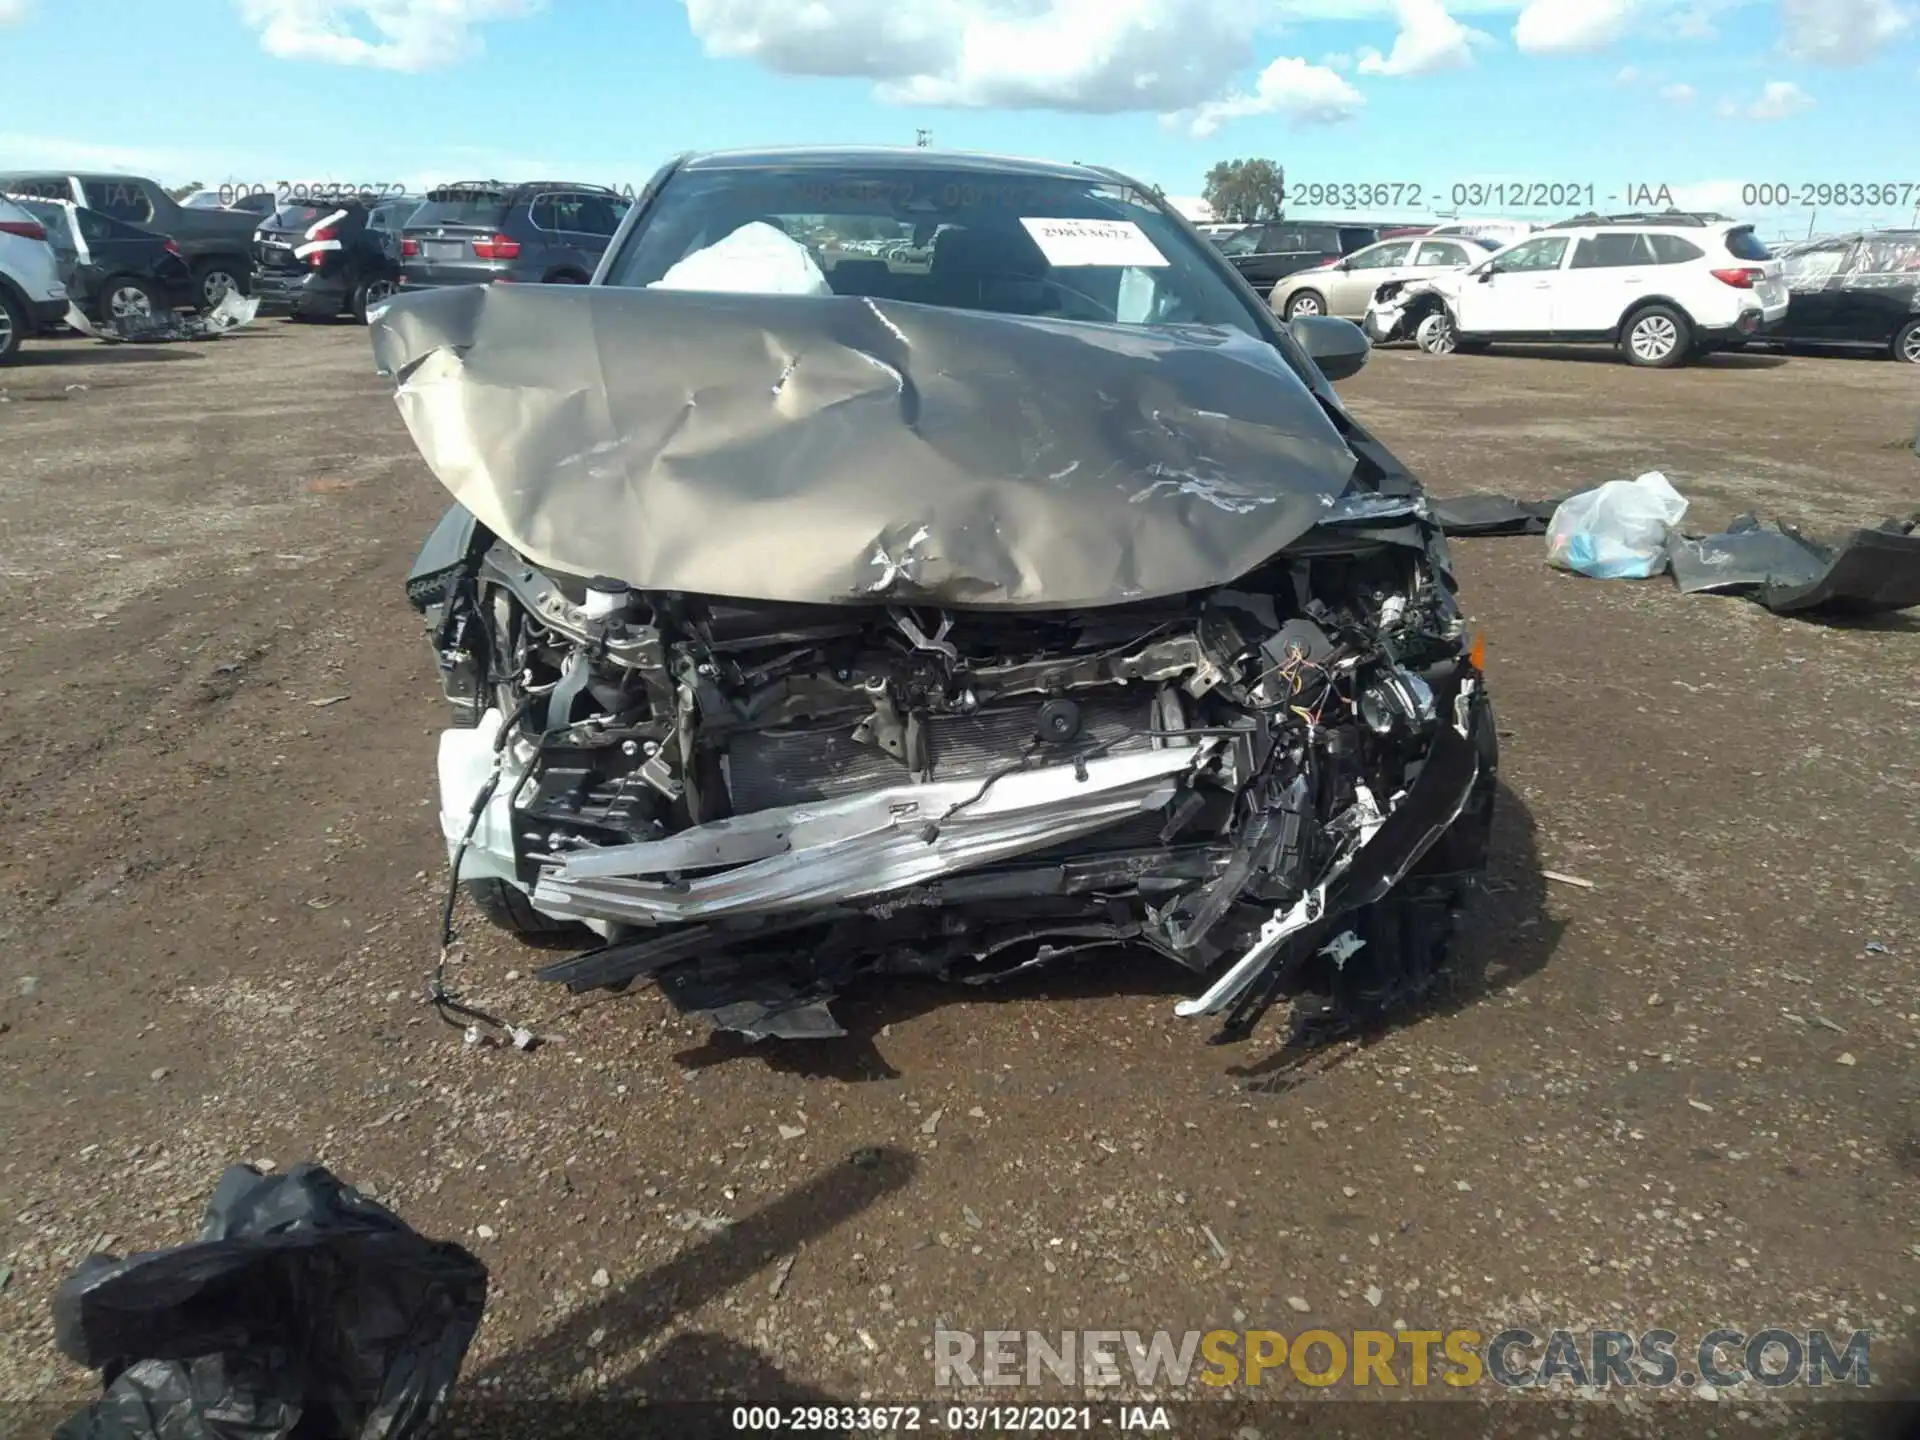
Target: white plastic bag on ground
(756, 259)
(1619, 531)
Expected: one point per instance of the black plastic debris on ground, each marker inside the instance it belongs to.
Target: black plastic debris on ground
(1487, 515)
(1870, 572)
(304, 1310)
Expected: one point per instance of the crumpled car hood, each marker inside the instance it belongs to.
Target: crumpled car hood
(840, 450)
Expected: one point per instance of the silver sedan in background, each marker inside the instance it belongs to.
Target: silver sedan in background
(1345, 287)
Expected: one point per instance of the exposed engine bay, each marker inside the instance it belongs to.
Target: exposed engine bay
(757, 803)
(937, 642)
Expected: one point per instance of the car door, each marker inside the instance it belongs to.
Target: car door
(1279, 249)
(1876, 287)
(1815, 276)
(99, 255)
(1349, 286)
(1254, 254)
(1603, 275)
(583, 221)
(1511, 292)
(590, 223)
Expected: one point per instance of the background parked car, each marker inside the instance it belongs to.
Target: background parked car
(32, 295)
(1855, 290)
(1664, 289)
(215, 243)
(1345, 287)
(114, 271)
(1269, 252)
(319, 260)
(552, 232)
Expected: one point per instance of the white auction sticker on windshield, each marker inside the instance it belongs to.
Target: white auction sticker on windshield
(1092, 242)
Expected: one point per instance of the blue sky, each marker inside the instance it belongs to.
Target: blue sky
(1707, 97)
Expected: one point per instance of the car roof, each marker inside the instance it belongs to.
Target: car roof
(1896, 232)
(892, 157)
(1653, 220)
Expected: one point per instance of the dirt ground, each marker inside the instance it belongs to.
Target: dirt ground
(1684, 1097)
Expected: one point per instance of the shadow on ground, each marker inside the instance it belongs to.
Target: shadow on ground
(1608, 355)
(578, 1377)
(39, 355)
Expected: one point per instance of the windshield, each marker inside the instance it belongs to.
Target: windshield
(1013, 244)
(1745, 245)
(294, 217)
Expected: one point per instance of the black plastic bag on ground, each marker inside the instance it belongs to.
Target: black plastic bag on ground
(304, 1311)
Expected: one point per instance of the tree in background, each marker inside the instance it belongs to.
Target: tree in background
(1246, 190)
(180, 192)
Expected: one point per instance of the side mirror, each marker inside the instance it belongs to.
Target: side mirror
(1339, 347)
(1487, 274)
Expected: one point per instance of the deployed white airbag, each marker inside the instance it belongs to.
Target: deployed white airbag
(756, 259)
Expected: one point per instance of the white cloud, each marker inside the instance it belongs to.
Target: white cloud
(1290, 87)
(1551, 27)
(1629, 75)
(384, 34)
(1678, 93)
(1698, 19)
(1840, 32)
(12, 12)
(1430, 40)
(1100, 56)
(1779, 99)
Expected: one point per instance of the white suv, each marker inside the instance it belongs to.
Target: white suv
(1662, 288)
(32, 297)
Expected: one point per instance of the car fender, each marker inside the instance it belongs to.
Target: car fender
(1641, 302)
(1399, 305)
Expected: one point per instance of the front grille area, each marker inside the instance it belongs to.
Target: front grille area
(771, 768)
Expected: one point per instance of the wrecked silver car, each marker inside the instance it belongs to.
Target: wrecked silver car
(1008, 584)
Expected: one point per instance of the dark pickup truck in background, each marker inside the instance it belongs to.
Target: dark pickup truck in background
(217, 244)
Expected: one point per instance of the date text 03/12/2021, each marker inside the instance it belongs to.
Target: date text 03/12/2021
(1458, 195)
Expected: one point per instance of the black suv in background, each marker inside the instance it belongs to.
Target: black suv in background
(319, 259)
(214, 243)
(550, 232)
(1855, 290)
(1268, 252)
(113, 271)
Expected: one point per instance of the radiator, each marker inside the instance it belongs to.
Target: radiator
(786, 767)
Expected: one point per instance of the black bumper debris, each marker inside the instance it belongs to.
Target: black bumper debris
(1870, 572)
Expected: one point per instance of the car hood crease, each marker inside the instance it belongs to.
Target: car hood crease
(842, 450)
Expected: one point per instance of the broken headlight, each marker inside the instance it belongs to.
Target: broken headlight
(1397, 700)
